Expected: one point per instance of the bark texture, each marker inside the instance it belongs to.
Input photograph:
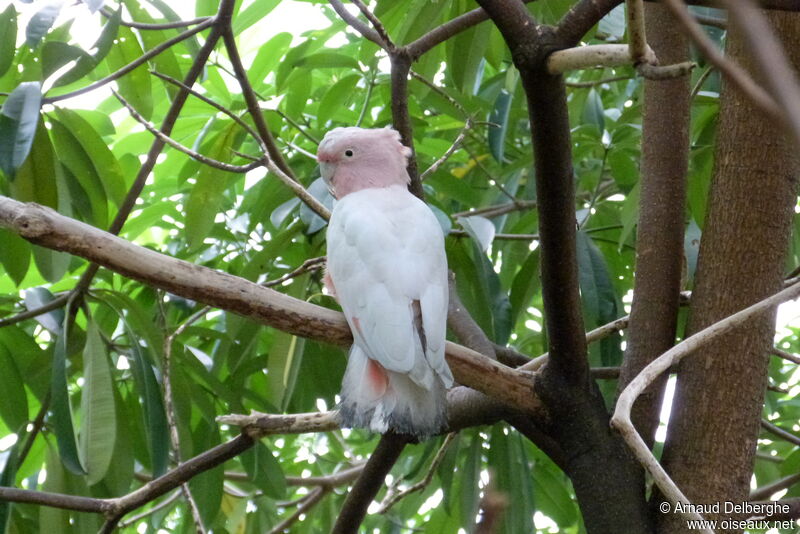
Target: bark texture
(718, 401)
(659, 250)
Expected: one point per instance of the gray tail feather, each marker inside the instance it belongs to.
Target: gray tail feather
(405, 408)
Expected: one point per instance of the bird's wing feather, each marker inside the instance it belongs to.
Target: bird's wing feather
(384, 252)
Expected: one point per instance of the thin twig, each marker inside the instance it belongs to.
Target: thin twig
(156, 25)
(365, 31)
(238, 120)
(621, 420)
(141, 60)
(393, 497)
(781, 433)
(449, 152)
(786, 355)
(35, 312)
(167, 140)
(169, 402)
(376, 23)
(594, 83)
(307, 503)
(147, 513)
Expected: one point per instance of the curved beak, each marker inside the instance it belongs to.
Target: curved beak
(327, 170)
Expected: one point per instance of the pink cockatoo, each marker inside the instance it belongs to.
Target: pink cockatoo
(388, 270)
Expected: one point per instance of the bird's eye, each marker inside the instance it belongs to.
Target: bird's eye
(348, 153)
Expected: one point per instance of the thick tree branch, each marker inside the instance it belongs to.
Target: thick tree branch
(659, 255)
(45, 227)
(581, 18)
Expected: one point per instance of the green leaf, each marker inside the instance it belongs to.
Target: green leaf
(82, 173)
(36, 297)
(499, 117)
(552, 497)
(613, 24)
(35, 179)
(597, 293)
(469, 479)
(336, 98)
(41, 22)
(61, 408)
(14, 411)
(98, 419)
(480, 229)
(466, 57)
(153, 404)
(269, 57)
(166, 62)
(8, 38)
(252, 14)
(87, 63)
(327, 60)
(593, 110)
(135, 86)
(106, 166)
(524, 286)
(265, 471)
(207, 195)
(148, 388)
(54, 519)
(206, 488)
(18, 119)
(298, 92)
(15, 255)
(8, 479)
(56, 54)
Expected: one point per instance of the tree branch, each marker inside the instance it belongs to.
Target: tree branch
(369, 483)
(113, 509)
(621, 420)
(45, 227)
(659, 255)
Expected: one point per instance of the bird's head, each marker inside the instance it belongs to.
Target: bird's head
(351, 159)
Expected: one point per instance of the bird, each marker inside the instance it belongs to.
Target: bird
(387, 268)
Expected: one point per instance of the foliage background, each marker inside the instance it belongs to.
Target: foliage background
(106, 367)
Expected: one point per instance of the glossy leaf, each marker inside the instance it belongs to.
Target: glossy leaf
(106, 166)
(98, 415)
(14, 412)
(8, 37)
(88, 62)
(480, 229)
(82, 175)
(60, 406)
(15, 255)
(41, 22)
(265, 471)
(134, 86)
(18, 119)
(36, 297)
(498, 127)
(207, 195)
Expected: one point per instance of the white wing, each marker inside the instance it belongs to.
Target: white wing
(387, 262)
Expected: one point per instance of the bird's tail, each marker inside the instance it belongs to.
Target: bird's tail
(381, 400)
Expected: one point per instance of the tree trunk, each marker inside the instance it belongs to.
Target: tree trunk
(659, 251)
(714, 426)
